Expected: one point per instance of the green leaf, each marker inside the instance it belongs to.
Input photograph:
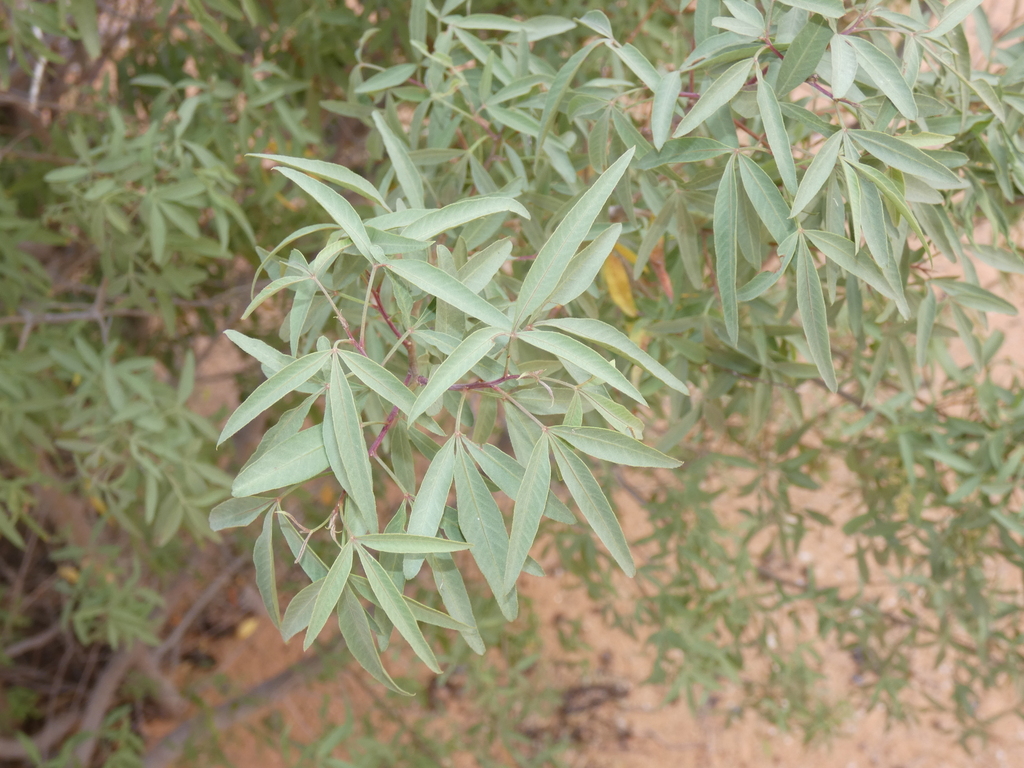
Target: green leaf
(584, 357)
(886, 76)
(975, 297)
(582, 269)
(802, 56)
(483, 526)
(263, 559)
(295, 460)
(559, 88)
(277, 285)
(339, 174)
(925, 324)
(507, 473)
(281, 384)
(157, 234)
(437, 282)
(953, 15)
(396, 609)
(355, 628)
(609, 445)
(410, 544)
(530, 502)
(554, 256)
(902, 156)
(427, 615)
(329, 595)
(237, 513)
(692, 149)
(844, 65)
(821, 168)
(811, 303)
(478, 272)
(299, 610)
(341, 419)
(767, 200)
(843, 252)
(453, 593)
(380, 380)
(389, 78)
(459, 213)
(536, 28)
(87, 25)
(720, 93)
(666, 98)
(428, 507)
(778, 138)
(457, 365)
(1000, 258)
(612, 338)
(638, 63)
(339, 209)
(408, 175)
(594, 505)
(598, 22)
(725, 228)
(832, 9)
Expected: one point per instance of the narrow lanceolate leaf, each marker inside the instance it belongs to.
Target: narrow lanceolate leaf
(613, 446)
(389, 78)
(844, 65)
(767, 200)
(725, 224)
(886, 75)
(355, 628)
(532, 498)
(270, 358)
(394, 606)
(802, 56)
(666, 97)
(843, 253)
(584, 266)
(638, 63)
(408, 176)
(300, 609)
(266, 579)
(594, 505)
(955, 13)
(555, 254)
(902, 156)
(237, 513)
(460, 213)
(330, 593)
(612, 338)
(925, 324)
(339, 174)
(410, 544)
(558, 90)
(453, 593)
(720, 93)
(438, 283)
(507, 473)
(285, 381)
(276, 286)
(975, 297)
(582, 356)
(775, 130)
(822, 166)
(458, 364)
(348, 432)
(380, 380)
(428, 507)
(811, 303)
(476, 273)
(339, 209)
(832, 9)
(295, 460)
(483, 526)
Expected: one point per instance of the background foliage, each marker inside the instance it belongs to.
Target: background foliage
(564, 232)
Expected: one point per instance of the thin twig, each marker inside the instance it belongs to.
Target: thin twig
(101, 698)
(31, 643)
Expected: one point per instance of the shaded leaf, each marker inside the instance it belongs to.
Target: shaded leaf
(811, 303)
(428, 507)
(355, 628)
(237, 513)
(720, 93)
(530, 502)
(330, 592)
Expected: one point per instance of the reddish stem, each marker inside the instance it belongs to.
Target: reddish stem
(388, 424)
(485, 384)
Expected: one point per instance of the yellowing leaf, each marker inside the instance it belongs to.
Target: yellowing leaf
(616, 278)
(69, 573)
(246, 627)
(626, 253)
